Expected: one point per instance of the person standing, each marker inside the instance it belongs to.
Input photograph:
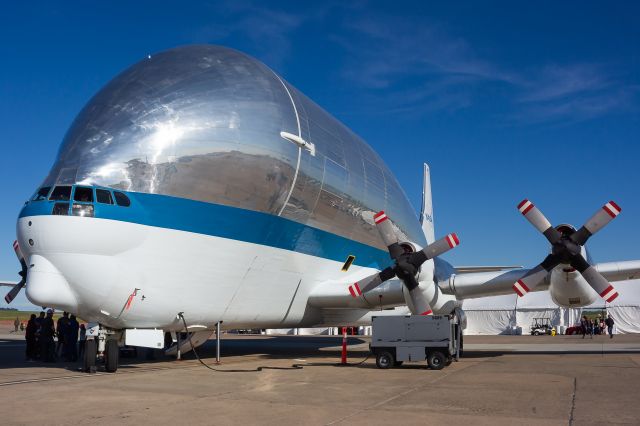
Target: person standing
(63, 323)
(609, 322)
(71, 339)
(30, 336)
(39, 322)
(584, 323)
(16, 324)
(47, 331)
(83, 340)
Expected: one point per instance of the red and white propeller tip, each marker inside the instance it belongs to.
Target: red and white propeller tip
(536, 218)
(525, 205)
(380, 217)
(354, 289)
(453, 240)
(520, 288)
(612, 209)
(609, 294)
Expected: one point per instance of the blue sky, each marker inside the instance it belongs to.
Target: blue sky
(505, 100)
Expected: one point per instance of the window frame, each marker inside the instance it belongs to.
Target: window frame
(115, 196)
(56, 205)
(82, 205)
(111, 199)
(75, 191)
(37, 194)
(61, 199)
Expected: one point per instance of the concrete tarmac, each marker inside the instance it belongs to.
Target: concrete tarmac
(501, 380)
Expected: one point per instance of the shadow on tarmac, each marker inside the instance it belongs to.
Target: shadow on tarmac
(265, 348)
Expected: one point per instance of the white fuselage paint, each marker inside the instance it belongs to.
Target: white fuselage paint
(91, 266)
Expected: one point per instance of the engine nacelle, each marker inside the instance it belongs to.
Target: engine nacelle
(569, 289)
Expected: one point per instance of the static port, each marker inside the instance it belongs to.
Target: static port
(30, 242)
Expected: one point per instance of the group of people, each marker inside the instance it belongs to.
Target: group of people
(597, 326)
(41, 334)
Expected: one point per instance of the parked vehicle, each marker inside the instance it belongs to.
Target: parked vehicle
(541, 326)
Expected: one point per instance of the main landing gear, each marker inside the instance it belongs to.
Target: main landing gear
(101, 347)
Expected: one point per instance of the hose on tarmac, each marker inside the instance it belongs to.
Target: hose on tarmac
(257, 369)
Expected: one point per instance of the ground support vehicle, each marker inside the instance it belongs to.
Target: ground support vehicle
(396, 339)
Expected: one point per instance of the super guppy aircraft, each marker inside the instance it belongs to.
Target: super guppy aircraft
(200, 182)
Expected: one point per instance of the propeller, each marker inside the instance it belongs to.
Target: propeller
(406, 264)
(566, 248)
(23, 273)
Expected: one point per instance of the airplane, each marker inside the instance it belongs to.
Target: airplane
(199, 188)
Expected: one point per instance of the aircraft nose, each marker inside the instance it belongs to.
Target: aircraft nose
(46, 286)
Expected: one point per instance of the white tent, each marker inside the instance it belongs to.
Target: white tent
(500, 314)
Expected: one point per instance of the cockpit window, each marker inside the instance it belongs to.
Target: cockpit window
(85, 210)
(42, 193)
(60, 209)
(83, 194)
(61, 193)
(122, 199)
(103, 196)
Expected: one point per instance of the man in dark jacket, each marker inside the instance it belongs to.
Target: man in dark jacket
(63, 323)
(71, 340)
(38, 322)
(47, 331)
(30, 336)
(609, 322)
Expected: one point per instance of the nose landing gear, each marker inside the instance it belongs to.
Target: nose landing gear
(102, 347)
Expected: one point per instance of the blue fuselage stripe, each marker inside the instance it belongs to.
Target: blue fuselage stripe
(230, 222)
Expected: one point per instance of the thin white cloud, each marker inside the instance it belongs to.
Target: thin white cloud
(385, 53)
(556, 81)
(269, 30)
(416, 66)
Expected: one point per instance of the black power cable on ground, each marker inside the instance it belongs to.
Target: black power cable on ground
(257, 369)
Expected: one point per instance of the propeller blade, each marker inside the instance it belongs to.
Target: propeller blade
(418, 303)
(595, 279)
(387, 234)
(23, 263)
(435, 249)
(14, 291)
(369, 283)
(538, 220)
(535, 276)
(599, 220)
(16, 248)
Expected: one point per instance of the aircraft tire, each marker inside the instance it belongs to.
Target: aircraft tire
(111, 356)
(90, 354)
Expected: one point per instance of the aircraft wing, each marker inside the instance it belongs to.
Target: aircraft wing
(485, 283)
(619, 271)
(8, 283)
(479, 283)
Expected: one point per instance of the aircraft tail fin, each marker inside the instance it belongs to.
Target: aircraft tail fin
(426, 213)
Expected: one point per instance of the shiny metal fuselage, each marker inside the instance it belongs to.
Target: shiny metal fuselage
(204, 123)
